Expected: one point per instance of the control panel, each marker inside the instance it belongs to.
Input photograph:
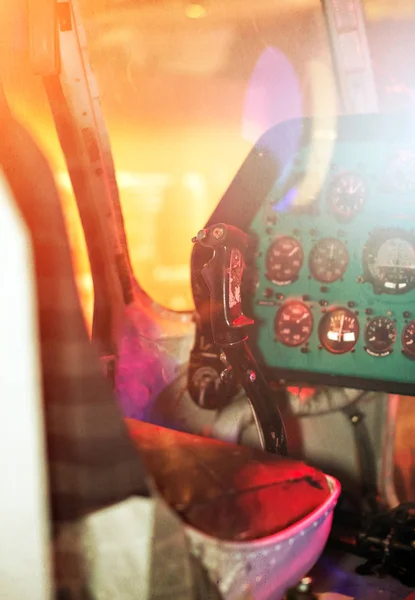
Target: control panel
(331, 277)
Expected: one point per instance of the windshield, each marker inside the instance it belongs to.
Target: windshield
(186, 89)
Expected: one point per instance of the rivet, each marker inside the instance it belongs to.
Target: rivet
(252, 376)
(218, 233)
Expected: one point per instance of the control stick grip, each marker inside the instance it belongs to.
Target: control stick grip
(223, 276)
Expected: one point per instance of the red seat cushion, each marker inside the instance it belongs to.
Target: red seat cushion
(230, 492)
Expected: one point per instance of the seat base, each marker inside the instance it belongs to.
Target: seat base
(266, 568)
(227, 491)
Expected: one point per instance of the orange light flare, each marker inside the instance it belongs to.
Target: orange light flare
(41, 127)
(170, 182)
(195, 10)
(165, 201)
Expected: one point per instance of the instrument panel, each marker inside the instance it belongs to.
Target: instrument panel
(331, 277)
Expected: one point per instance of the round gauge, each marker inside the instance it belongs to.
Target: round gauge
(293, 324)
(401, 171)
(380, 336)
(408, 338)
(328, 260)
(346, 195)
(339, 330)
(389, 261)
(284, 260)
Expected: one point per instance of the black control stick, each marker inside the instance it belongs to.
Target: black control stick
(223, 277)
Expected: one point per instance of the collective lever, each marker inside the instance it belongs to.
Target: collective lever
(223, 277)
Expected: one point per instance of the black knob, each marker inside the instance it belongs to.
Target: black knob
(406, 314)
(268, 293)
(368, 311)
(279, 296)
(323, 302)
(351, 304)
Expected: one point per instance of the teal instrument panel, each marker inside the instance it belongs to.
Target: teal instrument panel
(332, 271)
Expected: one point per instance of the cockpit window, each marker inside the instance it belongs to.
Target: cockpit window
(186, 89)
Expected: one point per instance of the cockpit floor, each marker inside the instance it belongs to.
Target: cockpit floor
(335, 573)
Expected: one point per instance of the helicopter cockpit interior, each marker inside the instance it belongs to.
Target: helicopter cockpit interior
(208, 308)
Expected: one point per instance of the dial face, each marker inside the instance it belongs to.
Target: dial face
(389, 261)
(380, 336)
(339, 330)
(401, 171)
(293, 324)
(346, 195)
(408, 338)
(328, 260)
(284, 260)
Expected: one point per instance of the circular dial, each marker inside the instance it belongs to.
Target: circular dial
(408, 338)
(338, 330)
(284, 260)
(328, 260)
(293, 324)
(346, 195)
(401, 171)
(389, 261)
(380, 336)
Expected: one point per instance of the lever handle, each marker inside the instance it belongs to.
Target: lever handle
(223, 276)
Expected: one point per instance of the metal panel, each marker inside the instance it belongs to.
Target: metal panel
(351, 55)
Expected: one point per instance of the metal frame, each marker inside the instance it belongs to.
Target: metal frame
(288, 376)
(74, 99)
(351, 55)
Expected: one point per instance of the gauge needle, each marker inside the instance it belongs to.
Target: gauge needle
(304, 316)
(341, 328)
(293, 251)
